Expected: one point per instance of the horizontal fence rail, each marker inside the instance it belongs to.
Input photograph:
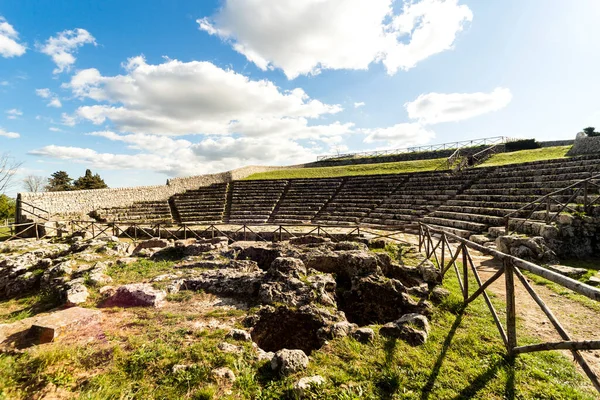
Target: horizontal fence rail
(432, 147)
(260, 232)
(436, 245)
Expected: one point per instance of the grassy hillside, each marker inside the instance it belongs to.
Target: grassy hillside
(408, 166)
(351, 170)
(547, 153)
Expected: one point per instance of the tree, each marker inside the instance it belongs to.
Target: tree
(8, 168)
(7, 207)
(590, 131)
(34, 183)
(59, 182)
(89, 181)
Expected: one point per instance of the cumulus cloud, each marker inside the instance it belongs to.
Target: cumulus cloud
(304, 37)
(9, 41)
(400, 135)
(359, 104)
(180, 157)
(10, 135)
(63, 47)
(14, 113)
(53, 100)
(197, 97)
(433, 108)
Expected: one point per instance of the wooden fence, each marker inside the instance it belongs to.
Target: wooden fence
(260, 232)
(436, 245)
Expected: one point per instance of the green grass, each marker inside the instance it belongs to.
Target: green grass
(522, 156)
(139, 271)
(351, 170)
(464, 358)
(27, 306)
(408, 166)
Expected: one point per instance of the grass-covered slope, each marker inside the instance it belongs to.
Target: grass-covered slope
(522, 156)
(351, 170)
(516, 157)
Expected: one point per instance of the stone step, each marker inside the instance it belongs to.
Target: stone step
(490, 211)
(458, 232)
(479, 218)
(464, 225)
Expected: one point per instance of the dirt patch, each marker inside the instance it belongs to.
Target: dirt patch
(580, 322)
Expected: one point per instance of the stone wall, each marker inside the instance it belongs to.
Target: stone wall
(555, 143)
(78, 203)
(585, 145)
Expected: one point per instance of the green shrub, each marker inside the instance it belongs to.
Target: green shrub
(523, 144)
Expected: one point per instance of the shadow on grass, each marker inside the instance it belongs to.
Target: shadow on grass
(482, 380)
(45, 301)
(478, 383)
(438, 364)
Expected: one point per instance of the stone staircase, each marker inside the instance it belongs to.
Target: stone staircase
(465, 203)
(502, 190)
(253, 202)
(139, 212)
(357, 198)
(303, 199)
(420, 195)
(202, 205)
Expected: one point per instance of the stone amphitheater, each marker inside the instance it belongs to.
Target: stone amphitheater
(465, 203)
(283, 304)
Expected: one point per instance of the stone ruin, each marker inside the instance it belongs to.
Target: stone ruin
(302, 292)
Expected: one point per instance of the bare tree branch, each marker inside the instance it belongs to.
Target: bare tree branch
(35, 183)
(8, 168)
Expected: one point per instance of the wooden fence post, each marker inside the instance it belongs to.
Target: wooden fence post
(585, 197)
(465, 263)
(443, 241)
(511, 326)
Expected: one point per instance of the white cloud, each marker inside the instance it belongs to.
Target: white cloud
(359, 104)
(400, 135)
(179, 157)
(68, 120)
(4, 83)
(43, 93)
(9, 45)
(14, 113)
(47, 94)
(434, 108)
(10, 135)
(178, 98)
(54, 129)
(304, 37)
(55, 102)
(431, 25)
(63, 47)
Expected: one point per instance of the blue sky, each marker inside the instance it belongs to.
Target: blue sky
(142, 91)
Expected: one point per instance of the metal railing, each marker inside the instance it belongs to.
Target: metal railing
(459, 161)
(547, 208)
(432, 147)
(436, 244)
